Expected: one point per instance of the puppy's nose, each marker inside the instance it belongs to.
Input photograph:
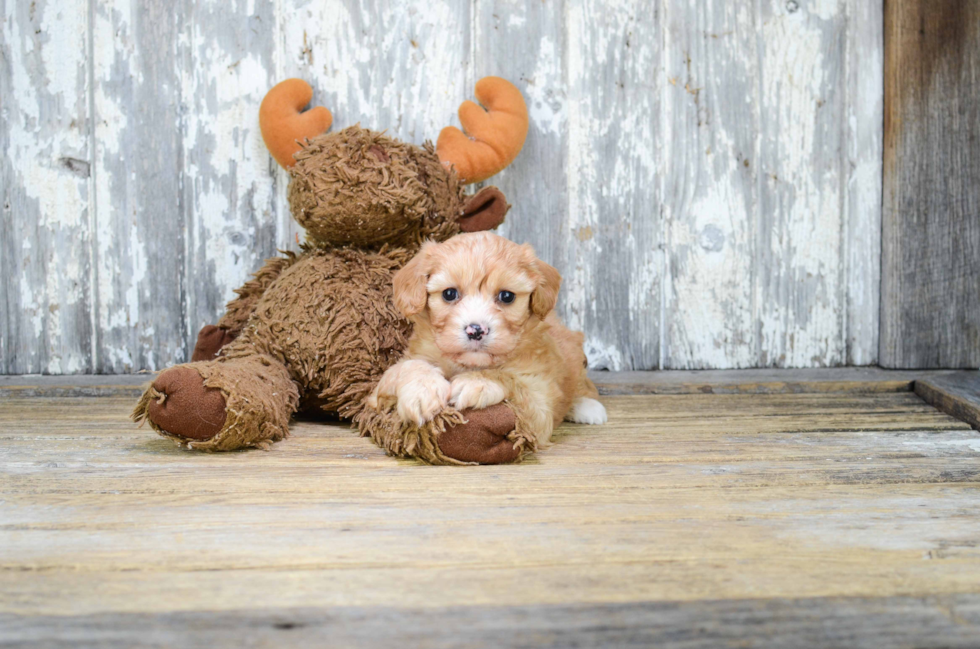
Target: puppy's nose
(475, 331)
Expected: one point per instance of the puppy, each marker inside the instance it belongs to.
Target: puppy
(485, 332)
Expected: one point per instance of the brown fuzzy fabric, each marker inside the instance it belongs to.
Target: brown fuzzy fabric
(408, 440)
(330, 320)
(259, 400)
(240, 310)
(319, 328)
(362, 188)
(471, 437)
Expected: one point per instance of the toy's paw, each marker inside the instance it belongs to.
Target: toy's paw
(420, 401)
(483, 438)
(470, 390)
(184, 407)
(210, 340)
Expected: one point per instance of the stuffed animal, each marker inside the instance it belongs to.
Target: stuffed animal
(315, 330)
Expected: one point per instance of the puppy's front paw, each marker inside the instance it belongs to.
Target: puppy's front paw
(474, 391)
(420, 401)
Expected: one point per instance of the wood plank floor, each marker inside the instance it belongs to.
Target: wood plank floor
(689, 520)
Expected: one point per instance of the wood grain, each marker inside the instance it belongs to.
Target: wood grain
(956, 394)
(612, 281)
(861, 243)
(762, 381)
(711, 189)
(226, 63)
(930, 260)
(140, 230)
(849, 623)
(771, 233)
(633, 180)
(800, 290)
(46, 222)
(747, 508)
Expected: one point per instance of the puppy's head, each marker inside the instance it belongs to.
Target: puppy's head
(476, 294)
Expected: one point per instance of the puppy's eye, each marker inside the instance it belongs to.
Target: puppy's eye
(450, 295)
(505, 296)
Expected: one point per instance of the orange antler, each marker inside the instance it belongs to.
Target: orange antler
(495, 135)
(282, 123)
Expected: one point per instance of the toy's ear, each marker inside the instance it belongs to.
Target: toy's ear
(484, 210)
(545, 295)
(410, 294)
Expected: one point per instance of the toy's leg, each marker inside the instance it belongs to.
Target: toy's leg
(210, 340)
(487, 436)
(221, 405)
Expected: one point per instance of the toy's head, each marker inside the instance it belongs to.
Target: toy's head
(360, 187)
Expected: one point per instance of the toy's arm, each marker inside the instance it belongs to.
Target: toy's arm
(212, 338)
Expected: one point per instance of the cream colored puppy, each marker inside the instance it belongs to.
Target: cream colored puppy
(485, 333)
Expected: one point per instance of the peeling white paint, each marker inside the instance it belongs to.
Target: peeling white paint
(546, 109)
(864, 61)
(401, 71)
(687, 178)
(581, 157)
(45, 114)
(222, 134)
(801, 313)
(114, 58)
(711, 318)
(602, 356)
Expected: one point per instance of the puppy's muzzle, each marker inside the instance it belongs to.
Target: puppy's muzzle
(476, 332)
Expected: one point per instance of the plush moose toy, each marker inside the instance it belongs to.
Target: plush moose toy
(315, 331)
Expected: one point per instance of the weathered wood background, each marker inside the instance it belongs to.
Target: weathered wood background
(706, 173)
(930, 285)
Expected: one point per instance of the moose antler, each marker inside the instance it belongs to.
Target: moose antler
(282, 123)
(493, 136)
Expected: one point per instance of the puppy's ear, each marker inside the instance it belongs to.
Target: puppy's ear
(544, 297)
(410, 294)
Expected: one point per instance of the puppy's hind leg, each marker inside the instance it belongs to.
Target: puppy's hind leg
(586, 410)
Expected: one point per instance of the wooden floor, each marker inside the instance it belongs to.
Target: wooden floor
(689, 520)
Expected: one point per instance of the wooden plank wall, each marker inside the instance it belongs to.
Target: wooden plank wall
(931, 220)
(705, 173)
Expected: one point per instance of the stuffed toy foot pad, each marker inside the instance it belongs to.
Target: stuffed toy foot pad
(249, 400)
(181, 405)
(483, 439)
